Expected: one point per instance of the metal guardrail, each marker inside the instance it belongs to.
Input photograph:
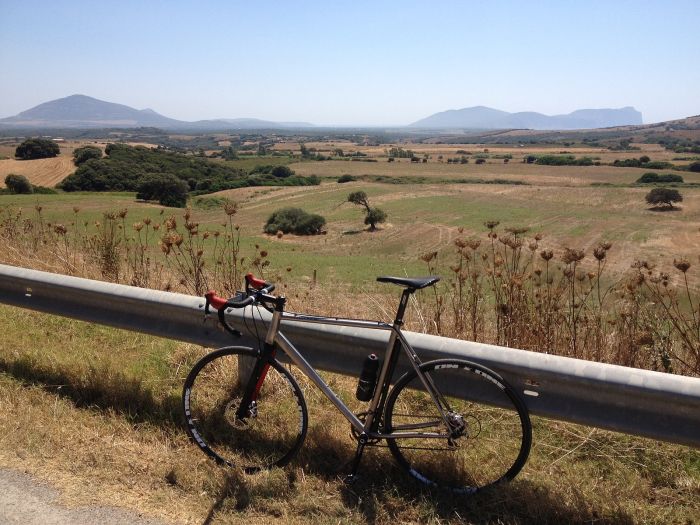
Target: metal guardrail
(641, 402)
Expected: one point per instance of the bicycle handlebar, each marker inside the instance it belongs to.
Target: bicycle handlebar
(255, 290)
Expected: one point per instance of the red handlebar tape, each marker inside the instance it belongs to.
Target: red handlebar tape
(255, 282)
(214, 300)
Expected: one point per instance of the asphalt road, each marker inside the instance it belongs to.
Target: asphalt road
(26, 501)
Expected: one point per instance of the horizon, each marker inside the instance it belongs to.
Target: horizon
(354, 64)
(312, 124)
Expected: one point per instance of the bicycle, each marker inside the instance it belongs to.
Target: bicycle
(242, 405)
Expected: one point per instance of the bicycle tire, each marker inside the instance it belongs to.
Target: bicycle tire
(494, 444)
(274, 430)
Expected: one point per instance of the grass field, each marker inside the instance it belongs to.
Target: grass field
(422, 218)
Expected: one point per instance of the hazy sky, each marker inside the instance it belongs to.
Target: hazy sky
(353, 63)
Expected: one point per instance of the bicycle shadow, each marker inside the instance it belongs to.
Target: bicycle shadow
(103, 388)
(383, 485)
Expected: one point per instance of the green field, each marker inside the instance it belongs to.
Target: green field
(421, 218)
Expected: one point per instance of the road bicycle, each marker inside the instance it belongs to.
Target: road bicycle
(450, 423)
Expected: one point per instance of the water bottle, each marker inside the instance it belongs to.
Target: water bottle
(368, 378)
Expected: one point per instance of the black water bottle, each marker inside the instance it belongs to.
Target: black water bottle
(368, 378)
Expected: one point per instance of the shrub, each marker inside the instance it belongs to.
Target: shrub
(695, 167)
(167, 189)
(479, 161)
(663, 196)
(651, 177)
(37, 149)
(346, 178)
(643, 162)
(43, 190)
(282, 172)
(86, 153)
(294, 220)
(564, 160)
(658, 165)
(18, 184)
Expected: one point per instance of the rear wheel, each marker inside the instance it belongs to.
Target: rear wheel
(275, 424)
(469, 444)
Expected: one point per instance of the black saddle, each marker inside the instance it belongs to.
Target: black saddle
(414, 284)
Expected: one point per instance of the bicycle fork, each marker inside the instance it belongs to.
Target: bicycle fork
(247, 407)
(262, 365)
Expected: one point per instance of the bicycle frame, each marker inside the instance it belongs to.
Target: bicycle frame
(275, 338)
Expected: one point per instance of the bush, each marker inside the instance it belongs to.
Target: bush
(37, 149)
(294, 220)
(479, 161)
(649, 178)
(346, 178)
(167, 189)
(86, 153)
(643, 162)
(663, 196)
(43, 190)
(282, 172)
(18, 184)
(563, 160)
(694, 167)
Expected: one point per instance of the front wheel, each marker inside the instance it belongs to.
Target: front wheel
(274, 426)
(465, 445)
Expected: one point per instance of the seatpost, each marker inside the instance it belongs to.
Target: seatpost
(402, 306)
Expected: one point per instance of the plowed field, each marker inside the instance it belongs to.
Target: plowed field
(40, 172)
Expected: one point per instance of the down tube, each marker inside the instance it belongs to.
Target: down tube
(309, 372)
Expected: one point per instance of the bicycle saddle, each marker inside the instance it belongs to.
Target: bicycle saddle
(415, 283)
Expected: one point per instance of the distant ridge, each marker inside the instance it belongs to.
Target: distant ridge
(81, 111)
(481, 117)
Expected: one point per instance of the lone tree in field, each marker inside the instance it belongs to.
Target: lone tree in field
(37, 149)
(18, 184)
(664, 197)
(373, 216)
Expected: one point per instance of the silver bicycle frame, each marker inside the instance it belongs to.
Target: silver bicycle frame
(274, 336)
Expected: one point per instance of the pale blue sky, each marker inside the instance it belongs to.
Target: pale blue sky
(355, 62)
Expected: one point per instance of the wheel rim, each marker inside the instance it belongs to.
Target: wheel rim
(274, 429)
(482, 445)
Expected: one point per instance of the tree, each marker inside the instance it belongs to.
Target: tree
(663, 196)
(373, 216)
(37, 149)
(18, 184)
(167, 189)
(86, 153)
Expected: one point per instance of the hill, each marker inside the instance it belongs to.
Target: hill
(481, 117)
(81, 111)
(84, 111)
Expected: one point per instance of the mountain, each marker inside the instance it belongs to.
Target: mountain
(81, 111)
(481, 117)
